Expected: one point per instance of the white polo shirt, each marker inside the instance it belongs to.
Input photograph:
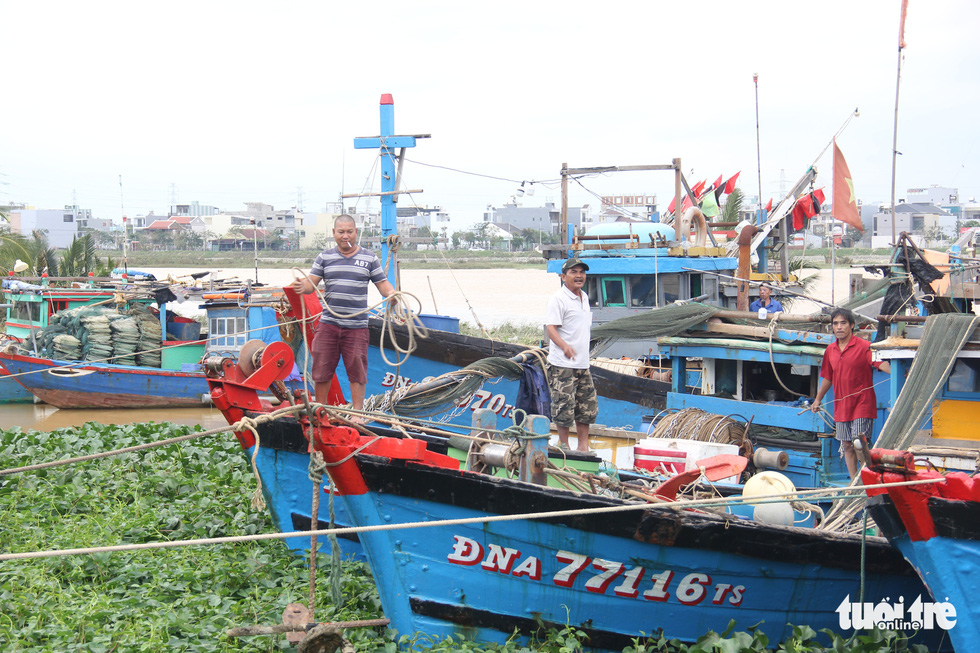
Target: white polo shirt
(572, 318)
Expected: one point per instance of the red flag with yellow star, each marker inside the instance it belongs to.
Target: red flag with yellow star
(845, 201)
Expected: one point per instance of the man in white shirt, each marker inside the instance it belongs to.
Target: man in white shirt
(568, 323)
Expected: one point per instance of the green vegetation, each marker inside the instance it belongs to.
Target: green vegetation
(523, 334)
(184, 599)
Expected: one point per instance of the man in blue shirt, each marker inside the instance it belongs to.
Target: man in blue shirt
(766, 301)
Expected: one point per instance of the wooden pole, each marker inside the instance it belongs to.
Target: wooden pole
(563, 237)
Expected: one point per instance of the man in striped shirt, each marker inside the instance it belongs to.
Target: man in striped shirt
(345, 271)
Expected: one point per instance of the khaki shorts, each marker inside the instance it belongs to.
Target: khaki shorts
(573, 398)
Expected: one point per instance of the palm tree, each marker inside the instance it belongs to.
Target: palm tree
(79, 258)
(34, 251)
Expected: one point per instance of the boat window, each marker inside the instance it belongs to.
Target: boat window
(26, 311)
(965, 376)
(696, 285)
(670, 287)
(592, 290)
(613, 291)
(643, 290)
(228, 333)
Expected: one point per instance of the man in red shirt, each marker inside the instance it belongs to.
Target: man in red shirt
(847, 368)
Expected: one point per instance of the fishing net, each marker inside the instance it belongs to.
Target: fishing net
(98, 345)
(66, 347)
(125, 339)
(99, 334)
(667, 321)
(453, 389)
(150, 336)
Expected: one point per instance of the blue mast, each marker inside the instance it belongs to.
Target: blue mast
(387, 142)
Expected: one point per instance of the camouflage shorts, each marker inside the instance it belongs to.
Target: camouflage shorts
(573, 398)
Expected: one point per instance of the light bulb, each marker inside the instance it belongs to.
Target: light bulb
(530, 189)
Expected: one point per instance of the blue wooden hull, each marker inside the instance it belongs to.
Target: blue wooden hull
(937, 529)
(288, 493)
(615, 576)
(68, 384)
(12, 392)
(948, 567)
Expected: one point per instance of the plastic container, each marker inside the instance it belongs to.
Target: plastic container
(440, 322)
(694, 451)
(666, 461)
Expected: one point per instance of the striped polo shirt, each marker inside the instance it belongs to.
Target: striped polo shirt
(345, 282)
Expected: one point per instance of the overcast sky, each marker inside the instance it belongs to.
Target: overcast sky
(229, 102)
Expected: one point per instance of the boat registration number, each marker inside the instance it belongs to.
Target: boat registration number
(598, 575)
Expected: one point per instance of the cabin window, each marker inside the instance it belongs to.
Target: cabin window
(613, 291)
(592, 290)
(227, 333)
(965, 376)
(26, 311)
(696, 285)
(670, 287)
(643, 291)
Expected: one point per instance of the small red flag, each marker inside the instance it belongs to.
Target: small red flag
(845, 202)
(697, 188)
(901, 24)
(730, 184)
(717, 181)
(769, 206)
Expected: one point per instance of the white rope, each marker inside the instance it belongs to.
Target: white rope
(676, 506)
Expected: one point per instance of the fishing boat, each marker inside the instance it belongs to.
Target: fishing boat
(468, 553)
(29, 304)
(932, 439)
(173, 377)
(935, 528)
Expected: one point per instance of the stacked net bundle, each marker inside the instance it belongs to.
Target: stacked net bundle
(66, 347)
(125, 339)
(45, 338)
(148, 348)
(97, 345)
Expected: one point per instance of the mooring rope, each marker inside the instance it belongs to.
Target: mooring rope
(675, 506)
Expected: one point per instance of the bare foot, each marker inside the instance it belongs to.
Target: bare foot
(355, 419)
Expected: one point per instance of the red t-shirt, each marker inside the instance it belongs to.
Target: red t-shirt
(850, 373)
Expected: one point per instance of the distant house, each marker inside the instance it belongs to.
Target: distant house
(920, 219)
(248, 240)
(545, 218)
(60, 225)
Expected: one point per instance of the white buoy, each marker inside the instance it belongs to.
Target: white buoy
(777, 514)
(767, 484)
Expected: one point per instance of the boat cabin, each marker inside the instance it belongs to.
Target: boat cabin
(744, 379)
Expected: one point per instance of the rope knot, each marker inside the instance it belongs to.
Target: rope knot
(317, 467)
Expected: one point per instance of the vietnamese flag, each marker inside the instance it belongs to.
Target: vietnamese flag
(698, 187)
(730, 184)
(845, 202)
(769, 206)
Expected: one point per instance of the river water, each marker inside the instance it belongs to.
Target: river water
(492, 297)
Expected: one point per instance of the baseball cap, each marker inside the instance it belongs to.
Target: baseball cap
(571, 263)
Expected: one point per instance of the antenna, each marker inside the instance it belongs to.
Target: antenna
(122, 209)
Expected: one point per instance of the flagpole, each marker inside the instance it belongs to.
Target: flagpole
(758, 148)
(898, 81)
(851, 116)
